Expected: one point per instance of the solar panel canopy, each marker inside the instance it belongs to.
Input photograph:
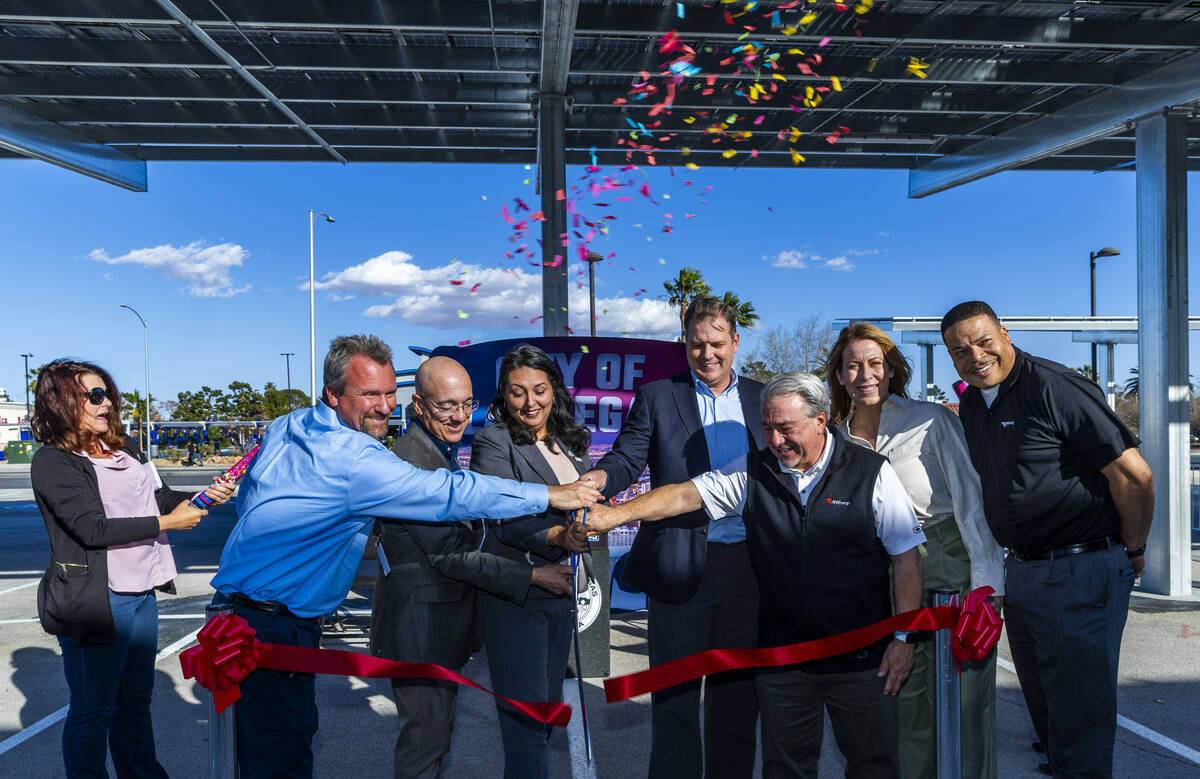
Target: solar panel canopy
(462, 81)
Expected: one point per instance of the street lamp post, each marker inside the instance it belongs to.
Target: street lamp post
(146, 338)
(1107, 251)
(28, 413)
(592, 258)
(287, 360)
(312, 322)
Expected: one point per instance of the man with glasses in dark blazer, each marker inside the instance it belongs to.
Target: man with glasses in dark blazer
(430, 575)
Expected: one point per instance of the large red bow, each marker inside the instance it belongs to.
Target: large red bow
(227, 653)
(977, 629)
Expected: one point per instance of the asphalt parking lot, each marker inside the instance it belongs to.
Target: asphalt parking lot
(1159, 696)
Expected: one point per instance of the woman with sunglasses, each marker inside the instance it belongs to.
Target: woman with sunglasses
(535, 439)
(867, 376)
(106, 512)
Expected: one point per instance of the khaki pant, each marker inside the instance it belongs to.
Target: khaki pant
(946, 564)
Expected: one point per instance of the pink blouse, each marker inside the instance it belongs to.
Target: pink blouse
(127, 490)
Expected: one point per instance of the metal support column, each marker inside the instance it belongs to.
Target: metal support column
(926, 341)
(222, 733)
(1164, 389)
(553, 173)
(1105, 371)
(947, 696)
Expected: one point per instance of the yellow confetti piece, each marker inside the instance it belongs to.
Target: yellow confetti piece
(835, 83)
(808, 18)
(797, 157)
(686, 151)
(788, 31)
(779, 76)
(584, 349)
(916, 67)
(689, 120)
(528, 167)
(661, 261)
(462, 314)
(483, 197)
(527, 181)
(863, 7)
(666, 196)
(795, 51)
(729, 153)
(871, 65)
(692, 166)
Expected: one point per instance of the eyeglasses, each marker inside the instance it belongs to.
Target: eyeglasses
(96, 395)
(445, 410)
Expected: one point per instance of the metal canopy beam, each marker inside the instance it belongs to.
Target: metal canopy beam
(1094, 117)
(178, 15)
(185, 54)
(1164, 389)
(32, 136)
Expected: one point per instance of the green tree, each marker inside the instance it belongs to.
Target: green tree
(32, 378)
(802, 347)
(744, 313)
(689, 284)
(755, 369)
(277, 402)
(1132, 385)
(135, 405)
(243, 402)
(207, 403)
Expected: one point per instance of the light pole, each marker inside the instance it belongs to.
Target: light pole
(592, 258)
(146, 337)
(312, 322)
(1107, 251)
(28, 413)
(287, 361)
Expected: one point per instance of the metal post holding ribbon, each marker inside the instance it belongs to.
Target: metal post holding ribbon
(222, 734)
(947, 694)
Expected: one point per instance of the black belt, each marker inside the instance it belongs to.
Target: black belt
(267, 606)
(727, 543)
(1066, 551)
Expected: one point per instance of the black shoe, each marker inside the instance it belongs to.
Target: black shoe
(1044, 768)
(1038, 747)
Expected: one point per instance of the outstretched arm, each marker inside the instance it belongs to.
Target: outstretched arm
(670, 500)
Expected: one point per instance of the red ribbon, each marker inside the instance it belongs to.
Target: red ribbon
(217, 666)
(975, 633)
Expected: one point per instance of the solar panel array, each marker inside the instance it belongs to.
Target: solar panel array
(434, 81)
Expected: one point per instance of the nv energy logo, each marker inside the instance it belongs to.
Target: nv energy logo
(836, 502)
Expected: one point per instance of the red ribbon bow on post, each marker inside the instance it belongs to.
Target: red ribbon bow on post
(977, 629)
(227, 653)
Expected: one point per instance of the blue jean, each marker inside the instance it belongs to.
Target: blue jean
(111, 686)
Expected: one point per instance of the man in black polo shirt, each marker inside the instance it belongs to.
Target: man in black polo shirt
(1066, 492)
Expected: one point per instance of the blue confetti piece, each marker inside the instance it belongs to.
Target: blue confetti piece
(593, 152)
(632, 123)
(775, 22)
(679, 10)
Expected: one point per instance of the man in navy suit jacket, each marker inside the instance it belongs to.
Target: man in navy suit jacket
(696, 572)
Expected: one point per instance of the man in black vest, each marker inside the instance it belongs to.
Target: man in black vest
(824, 521)
(1066, 492)
(429, 577)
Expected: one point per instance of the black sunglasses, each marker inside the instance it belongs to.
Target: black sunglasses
(96, 395)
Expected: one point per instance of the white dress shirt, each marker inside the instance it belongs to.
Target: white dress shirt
(724, 492)
(925, 444)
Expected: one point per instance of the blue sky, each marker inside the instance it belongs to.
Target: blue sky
(215, 256)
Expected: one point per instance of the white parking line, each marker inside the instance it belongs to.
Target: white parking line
(21, 736)
(19, 587)
(1153, 736)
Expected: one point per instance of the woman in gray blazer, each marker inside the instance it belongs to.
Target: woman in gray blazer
(534, 439)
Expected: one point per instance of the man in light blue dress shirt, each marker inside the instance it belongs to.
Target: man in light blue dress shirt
(305, 507)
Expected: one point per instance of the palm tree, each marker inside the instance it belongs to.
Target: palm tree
(680, 291)
(744, 313)
(1133, 383)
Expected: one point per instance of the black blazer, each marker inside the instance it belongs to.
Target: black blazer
(73, 595)
(425, 610)
(664, 431)
(521, 538)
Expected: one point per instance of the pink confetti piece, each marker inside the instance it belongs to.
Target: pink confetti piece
(464, 343)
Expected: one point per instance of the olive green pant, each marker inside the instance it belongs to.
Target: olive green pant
(946, 564)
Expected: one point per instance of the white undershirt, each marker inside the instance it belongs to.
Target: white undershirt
(989, 395)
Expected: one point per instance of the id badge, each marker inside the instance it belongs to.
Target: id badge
(383, 561)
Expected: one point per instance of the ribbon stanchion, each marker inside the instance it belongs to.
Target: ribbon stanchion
(975, 631)
(228, 652)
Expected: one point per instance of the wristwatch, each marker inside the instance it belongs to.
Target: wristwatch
(906, 636)
(1131, 553)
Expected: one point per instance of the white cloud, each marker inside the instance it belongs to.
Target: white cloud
(798, 260)
(860, 252)
(507, 298)
(206, 269)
